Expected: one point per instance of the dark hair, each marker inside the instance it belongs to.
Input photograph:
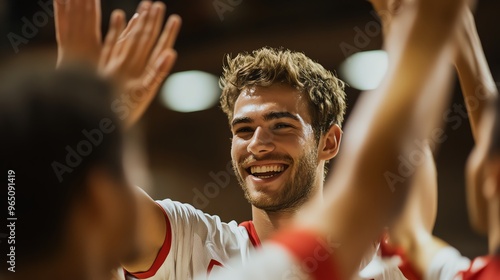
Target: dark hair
(46, 118)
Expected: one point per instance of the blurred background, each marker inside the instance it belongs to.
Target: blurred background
(181, 148)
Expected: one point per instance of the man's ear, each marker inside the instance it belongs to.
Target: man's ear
(330, 143)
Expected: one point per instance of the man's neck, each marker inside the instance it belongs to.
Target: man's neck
(266, 223)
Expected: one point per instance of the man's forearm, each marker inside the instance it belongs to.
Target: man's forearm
(478, 86)
(383, 127)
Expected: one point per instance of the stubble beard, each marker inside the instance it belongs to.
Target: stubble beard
(294, 193)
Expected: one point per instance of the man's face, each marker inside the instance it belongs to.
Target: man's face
(274, 152)
(477, 173)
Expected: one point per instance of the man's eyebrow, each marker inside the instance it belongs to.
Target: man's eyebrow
(267, 117)
(280, 115)
(241, 120)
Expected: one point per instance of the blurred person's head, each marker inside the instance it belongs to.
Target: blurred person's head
(63, 144)
(285, 113)
(483, 172)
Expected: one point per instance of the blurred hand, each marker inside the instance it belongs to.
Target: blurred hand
(387, 10)
(78, 30)
(137, 57)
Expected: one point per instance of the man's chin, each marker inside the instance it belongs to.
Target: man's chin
(265, 187)
(264, 200)
(268, 207)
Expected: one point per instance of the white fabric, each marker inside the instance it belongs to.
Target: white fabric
(270, 263)
(274, 262)
(383, 269)
(446, 265)
(197, 239)
(379, 268)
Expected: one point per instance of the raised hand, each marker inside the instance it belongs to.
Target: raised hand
(78, 30)
(139, 57)
(386, 10)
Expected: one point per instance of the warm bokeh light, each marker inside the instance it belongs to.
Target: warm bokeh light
(364, 70)
(190, 91)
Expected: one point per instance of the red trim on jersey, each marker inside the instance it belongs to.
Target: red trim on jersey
(406, 266)
(483, 268)
(252, 233)
(162, 254)
(212, 264)
(308, 248)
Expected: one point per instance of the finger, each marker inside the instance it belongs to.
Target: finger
(60, 19)
(173, 27)
(116, 26)
(96, 9)
(128, 45)
(127, 37)
(141, 8)
(168, 36)
(149, 36)
(77, 14)
(159, 70)
(151, 82)
(130, 25)
(86, 20)
(164, 65)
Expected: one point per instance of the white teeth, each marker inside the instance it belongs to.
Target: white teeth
(267, 168)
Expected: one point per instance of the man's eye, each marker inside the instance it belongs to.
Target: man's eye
(243, 130)
(282, 125)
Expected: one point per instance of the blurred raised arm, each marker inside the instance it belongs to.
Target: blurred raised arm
(137, 57)
(367, 186)
(476, 81)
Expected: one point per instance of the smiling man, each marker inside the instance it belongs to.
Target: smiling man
(285, 122)
(285, 112)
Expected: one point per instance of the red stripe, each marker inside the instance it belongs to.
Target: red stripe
(212, 264)
(311, 252)
(406, 266)
(252, 233)
(489, 271)
(162, 255)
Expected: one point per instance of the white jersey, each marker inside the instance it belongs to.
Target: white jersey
(272, 262)
(276, 262)
(447, 264)
(198, 244)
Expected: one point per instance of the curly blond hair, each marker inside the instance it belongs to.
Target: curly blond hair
(267, 66)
